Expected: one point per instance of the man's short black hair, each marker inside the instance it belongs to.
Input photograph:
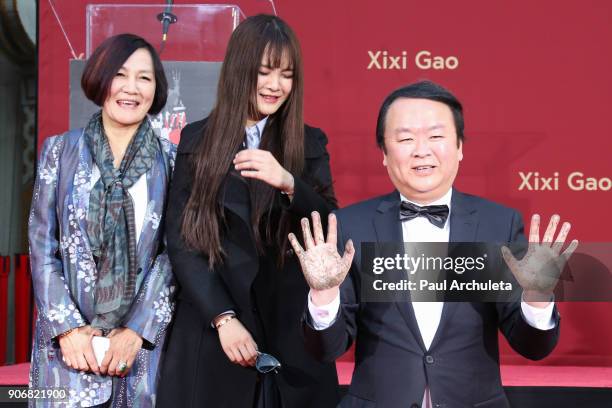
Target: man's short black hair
(421, 90)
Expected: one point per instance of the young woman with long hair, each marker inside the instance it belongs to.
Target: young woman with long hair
(244, 178)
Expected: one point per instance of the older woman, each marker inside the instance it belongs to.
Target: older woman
(96, 243)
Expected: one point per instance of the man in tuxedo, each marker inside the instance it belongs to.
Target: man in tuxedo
(426, 354)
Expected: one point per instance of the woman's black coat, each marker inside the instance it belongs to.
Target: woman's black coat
(196, 372)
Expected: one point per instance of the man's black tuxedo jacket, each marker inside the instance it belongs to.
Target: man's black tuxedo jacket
(392, 365)
(196, 372)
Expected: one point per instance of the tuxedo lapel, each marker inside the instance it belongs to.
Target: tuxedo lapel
(388, 229)
(463, 219)
(463, 227)
(386, 222)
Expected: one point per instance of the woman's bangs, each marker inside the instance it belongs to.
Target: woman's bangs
(276, 50)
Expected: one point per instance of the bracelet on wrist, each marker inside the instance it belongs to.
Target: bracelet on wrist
(291, 190)
(67, 332)
(224, 320)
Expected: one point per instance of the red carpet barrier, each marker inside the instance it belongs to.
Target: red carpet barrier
(526, 387)
(512, 375)
(23, 309)
(5, 267)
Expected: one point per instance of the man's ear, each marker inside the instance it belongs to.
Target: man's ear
(460, 152)
(384, 159)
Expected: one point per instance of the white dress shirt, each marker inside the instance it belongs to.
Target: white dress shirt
(428, 314)
(253, 134)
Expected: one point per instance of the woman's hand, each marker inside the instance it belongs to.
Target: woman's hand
(124, 345)
(261, 165)
(237, 343)
(77, 351)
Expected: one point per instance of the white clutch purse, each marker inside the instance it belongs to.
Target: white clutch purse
(100, 345)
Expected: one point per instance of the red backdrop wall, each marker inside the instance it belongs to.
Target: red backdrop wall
(534, 78)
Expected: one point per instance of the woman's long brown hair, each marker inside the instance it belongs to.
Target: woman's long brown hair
(203, 217)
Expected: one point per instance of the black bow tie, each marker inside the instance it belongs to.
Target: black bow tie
(436, 214)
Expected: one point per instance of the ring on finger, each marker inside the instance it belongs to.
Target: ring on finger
(122, 366)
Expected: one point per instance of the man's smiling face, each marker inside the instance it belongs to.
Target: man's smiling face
(421, 151)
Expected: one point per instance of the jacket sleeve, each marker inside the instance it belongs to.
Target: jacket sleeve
(313, 190)
(57, 311)
(152, 309)
(199, 285)
(526, 340)
(329, 344)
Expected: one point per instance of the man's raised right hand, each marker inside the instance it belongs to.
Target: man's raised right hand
(322, 265)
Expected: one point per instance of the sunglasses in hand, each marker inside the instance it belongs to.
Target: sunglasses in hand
(266, 363)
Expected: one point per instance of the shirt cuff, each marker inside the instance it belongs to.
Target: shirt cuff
(540, 318)
(325, 315)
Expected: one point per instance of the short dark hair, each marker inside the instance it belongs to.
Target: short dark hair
(421, 90)
(108, 59)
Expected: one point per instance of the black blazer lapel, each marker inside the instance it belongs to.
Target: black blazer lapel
(235, 196)
(389, 230)
(239, 244)
(463, 227)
